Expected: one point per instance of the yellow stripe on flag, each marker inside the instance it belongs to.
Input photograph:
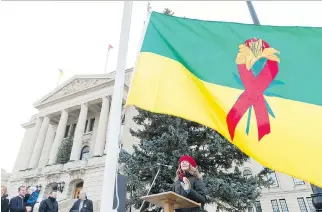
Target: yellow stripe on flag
(163, 85)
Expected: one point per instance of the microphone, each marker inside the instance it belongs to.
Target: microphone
(168, 166)
(158, 164)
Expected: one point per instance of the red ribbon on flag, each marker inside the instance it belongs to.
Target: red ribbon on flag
(253, 95)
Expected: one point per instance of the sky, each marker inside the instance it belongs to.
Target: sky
(38, 38)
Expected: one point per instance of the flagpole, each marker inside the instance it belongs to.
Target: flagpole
(144, 28)
(107, 54)
(252, 12)
(114, 124)
(59, 76)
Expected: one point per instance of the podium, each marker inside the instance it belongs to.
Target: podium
(170, 201)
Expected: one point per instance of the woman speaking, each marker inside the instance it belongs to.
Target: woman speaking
(189, 183)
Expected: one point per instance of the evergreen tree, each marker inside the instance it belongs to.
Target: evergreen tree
(164, 139)
(64, 151)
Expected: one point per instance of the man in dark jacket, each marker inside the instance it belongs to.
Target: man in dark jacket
(17, 203)
(50, 204)
(4, 200)
(82, 204)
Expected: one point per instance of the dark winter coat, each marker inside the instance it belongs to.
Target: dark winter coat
(4, 203)
(197, 193)
(26, 198)
(87, 206)
(48, 205)
(17, 204)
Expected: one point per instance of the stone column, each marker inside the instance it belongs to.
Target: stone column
(59, 137)
(79, 132)
(39, 143)
(102, 128)
(105, 145)
(47, 146)
(30, 147)
(22, 151)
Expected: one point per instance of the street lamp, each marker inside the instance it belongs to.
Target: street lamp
(317, 198)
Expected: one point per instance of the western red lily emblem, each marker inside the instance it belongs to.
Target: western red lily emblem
(257, 65)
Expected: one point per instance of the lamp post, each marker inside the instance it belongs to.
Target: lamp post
(317, 198)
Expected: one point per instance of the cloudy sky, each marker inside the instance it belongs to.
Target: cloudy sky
(38, 38)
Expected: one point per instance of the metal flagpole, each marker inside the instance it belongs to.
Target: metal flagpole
(60, 73)
(107, 54)
(115, 114)
(144, 28)
(252, 12)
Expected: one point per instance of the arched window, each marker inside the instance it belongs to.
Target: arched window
(247, 173)
(84, 153)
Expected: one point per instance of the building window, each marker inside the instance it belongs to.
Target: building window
(275, 206)
(310, 204)
(84, 153)
(66, 131)
(302, 204)
(86, 126)
(72, 130)
(91, 125)
(272, 176)
(247, 173)
(298, 181)
(258, 207)
(283, 205)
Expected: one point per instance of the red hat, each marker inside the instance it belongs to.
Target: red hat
(190, 159)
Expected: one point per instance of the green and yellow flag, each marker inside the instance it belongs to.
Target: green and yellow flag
(259, 86)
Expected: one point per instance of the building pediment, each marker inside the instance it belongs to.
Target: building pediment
(78, 85)
(73, 86)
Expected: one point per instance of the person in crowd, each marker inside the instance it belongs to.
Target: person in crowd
(50, 204)
(189, 183)
(28, 193)
(82, 204)
(4, 199)
(17, 203)
(33, 196)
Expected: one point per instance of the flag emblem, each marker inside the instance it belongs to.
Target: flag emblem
(257, 65)
(261, 101)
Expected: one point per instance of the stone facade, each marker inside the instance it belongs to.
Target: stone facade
(80, 108)
(4, 177)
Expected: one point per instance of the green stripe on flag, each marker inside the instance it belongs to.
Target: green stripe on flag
(209, 49)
